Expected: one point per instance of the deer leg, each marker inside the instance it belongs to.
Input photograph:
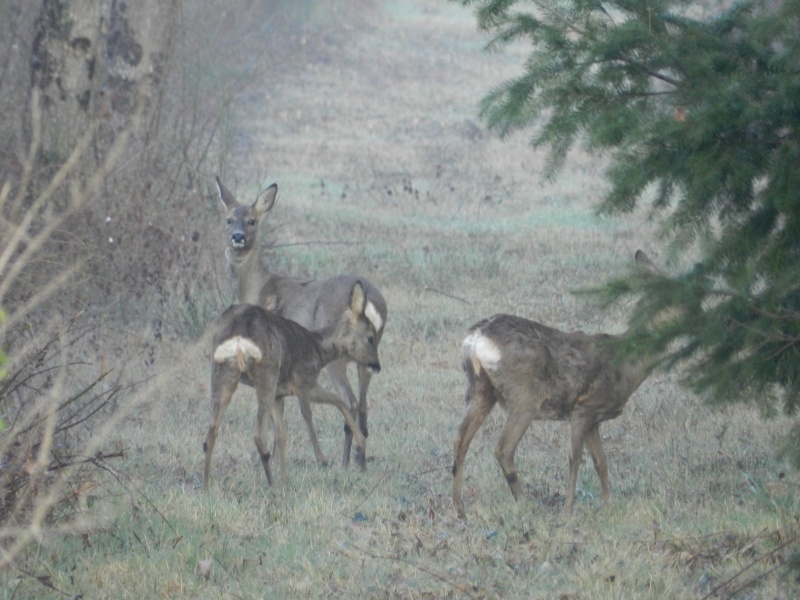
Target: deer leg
(595, 447)
(279, 443)
(305, 410)
(579, 430)
(262, 417)
(364, 377)
(223, 384)
(479, 404)
(265, 395)
(319, 395)
(513, 430)
(337, 370)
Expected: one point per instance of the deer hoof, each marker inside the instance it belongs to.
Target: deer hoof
(361, 458)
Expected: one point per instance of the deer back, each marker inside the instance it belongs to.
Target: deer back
(285, 347)
(324, 301)
(549, 372)
(326, 306)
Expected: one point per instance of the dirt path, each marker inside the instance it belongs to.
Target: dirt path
(395, 97)
(382, 108)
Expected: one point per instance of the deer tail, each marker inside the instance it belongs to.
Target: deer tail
(479, 354)
(239, 351)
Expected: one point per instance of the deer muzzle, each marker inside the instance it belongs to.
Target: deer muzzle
(238, 239)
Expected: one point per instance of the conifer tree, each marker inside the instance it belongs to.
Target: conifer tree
(699, 113)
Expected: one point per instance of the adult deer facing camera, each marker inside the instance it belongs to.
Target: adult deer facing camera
(313, 303)
(538, 373)
(280, 358)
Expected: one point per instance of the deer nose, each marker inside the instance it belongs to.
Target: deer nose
(237, 238)
(375, 367)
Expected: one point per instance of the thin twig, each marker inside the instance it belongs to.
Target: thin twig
(428, 471)
(750, 582)
(428, 288)
(147, 500)
(755, 561)
(313, 243)
(44, 580)
(91, 459)
(456, 586)
(374, 487)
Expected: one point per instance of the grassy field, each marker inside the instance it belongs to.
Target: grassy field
(384, 170)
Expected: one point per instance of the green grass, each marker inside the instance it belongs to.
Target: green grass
(696, 493)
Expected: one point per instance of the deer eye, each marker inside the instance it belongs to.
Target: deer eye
(370, 339)
(251, 222)
(228, 221)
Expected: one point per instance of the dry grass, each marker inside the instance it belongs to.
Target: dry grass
(384, 170)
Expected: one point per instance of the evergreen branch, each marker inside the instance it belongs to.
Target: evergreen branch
(719, 172)
(664, 78)
(785, 348)
(637, 64)
(566, 22)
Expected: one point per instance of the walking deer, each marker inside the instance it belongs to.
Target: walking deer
(536, 372)
(280, 358)
(313, 303)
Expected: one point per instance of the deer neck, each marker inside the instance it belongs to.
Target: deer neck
(249, 275)
(641, 365)
(329, 348)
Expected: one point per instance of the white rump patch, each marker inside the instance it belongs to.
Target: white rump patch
(373, 316)
(481, 350)
(236, 348)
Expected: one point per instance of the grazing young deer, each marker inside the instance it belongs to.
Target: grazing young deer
(536, 372)
(280, 358)
(313, 303)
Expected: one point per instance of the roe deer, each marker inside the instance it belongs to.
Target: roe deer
(536, 372)
(312, 303)
(280, 358)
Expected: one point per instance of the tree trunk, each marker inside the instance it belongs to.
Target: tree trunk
(97, 60)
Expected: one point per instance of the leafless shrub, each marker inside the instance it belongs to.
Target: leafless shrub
(52, 396)
(105, 247)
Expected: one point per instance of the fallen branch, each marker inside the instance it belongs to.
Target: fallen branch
(428, 288)
(465, 589)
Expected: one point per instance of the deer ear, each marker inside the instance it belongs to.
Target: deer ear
(266, 199)
(225, 195)
(358, 299)
(644, 263)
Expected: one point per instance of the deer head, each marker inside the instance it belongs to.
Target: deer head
(355, 332)
(241, 220)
